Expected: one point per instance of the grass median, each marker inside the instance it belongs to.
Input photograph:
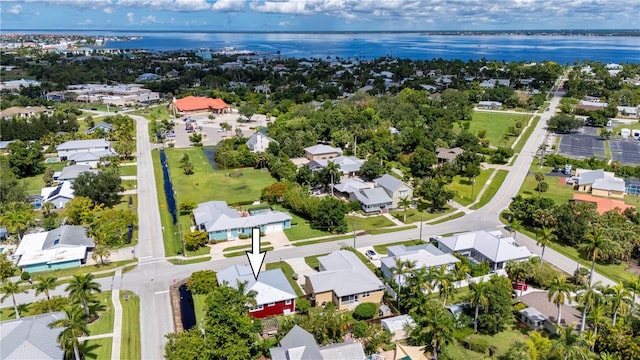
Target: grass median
(130, 326)
(491, 190)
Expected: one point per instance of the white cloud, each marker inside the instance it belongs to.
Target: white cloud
(229, 5)
(131, 18)
(107, 10)
(150, 19)
(284, 23)
(169, 5)
(85, 22)
(15, 10)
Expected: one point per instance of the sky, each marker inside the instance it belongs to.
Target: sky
(318, 15)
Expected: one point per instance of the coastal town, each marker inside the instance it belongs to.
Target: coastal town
(403, 209)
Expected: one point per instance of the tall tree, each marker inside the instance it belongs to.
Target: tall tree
(102, 188)
(74, 326)
(478, 299)
(434, 328)
(544, 238)
(618, 298)
(589, 298)
(595, 243)
(17, 217)
(404, 203)
(445, 283)
(559, 292)
(634, 287)
(10, 288)
(44, 284)
(570, 345)
(81, 289)
(26, 159)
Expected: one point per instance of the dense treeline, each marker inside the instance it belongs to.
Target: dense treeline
(36, 127)
(625, 171)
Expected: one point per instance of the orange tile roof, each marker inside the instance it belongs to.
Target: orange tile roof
(192, 103)
(603, 205)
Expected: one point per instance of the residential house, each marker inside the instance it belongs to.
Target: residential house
(598, 182)
(490, 105)
(87, 152)
(105, 127)
(4, 146)
(484, 246)
(347, 186)
(147, 77)
(344, 280)
(195, 105)
(19, 111)
(349, 165)
(397, 326)
(321, 151)
(259, 142)
(58, 195)
(395, 188)
(71, 172)
(299, 344)
(31, 338)
(225, 223)
(61, 248)
(445, 155)
(273, 293)
(423, 256)
(372, 200)
(543, 314)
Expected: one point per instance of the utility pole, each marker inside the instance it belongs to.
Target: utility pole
(353, 225)
(420, 226)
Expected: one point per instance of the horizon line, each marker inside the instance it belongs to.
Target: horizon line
(327, 31)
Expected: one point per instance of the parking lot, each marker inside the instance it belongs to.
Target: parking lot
(211, 129)
(583, 144)
(627, 152)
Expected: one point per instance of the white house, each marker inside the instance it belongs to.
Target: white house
(87, 152)
(58, 195)
(423, 256)
(259, 142)
(484, 246)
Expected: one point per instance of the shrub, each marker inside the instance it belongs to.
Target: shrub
(202, 282)
(365, 311)
(303, 305)
(24, 276)
(195, 240)
(462, 333)
(477, 344)
(56, 303)
(360, 329)
(543, 186)
(519, 306)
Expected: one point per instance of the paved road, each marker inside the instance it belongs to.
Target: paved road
(152, 278)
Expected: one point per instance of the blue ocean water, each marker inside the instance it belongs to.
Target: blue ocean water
(416, 46)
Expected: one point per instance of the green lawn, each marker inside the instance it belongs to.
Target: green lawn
(34, 184)
(244, 247)
(367, 223)
(414, 215)
(492, 189)
(104, 324)
(129, 170)
(463, 187)
(124, 202)
(382, 249)
(525, 136)
(318, 241)
(448, 218)
(129, 185)
(312, 261)
(300, 227)
(131, 326)
(502, 341)
(199, 308)
(82, 269)
(103, 352)
(288, 272)
(154, 113)
(189, 261)
(206, 184)
(559, 192)
(496, 125)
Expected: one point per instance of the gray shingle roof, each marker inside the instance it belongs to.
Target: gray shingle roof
(101, 125)
(272, 285)
(30, 338)
(67, 235)
(298, 344)
(83, 144)
(91, 155)
(388, 182)
(492, 247)
(609, 184)
(72, 171)
(320, 149)
(344, 274)
(217, 216)
(373, 196)
(347, 164)
(589, 177)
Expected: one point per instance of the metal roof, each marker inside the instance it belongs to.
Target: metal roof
(83, 144)
(72, 171)
(389, 182)
(320, 149)
(373, 196)
(271, 286)
(217, 216)
(344, 274)
(30, 338)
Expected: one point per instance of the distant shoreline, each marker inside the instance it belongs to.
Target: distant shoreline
(576, 32)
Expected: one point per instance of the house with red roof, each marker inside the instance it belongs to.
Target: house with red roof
(199, 104)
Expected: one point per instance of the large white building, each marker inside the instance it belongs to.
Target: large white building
(117, 95)
(85, 152)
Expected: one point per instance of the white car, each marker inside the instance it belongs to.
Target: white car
(371, 255)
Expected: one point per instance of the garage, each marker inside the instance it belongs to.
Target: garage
(269, 228)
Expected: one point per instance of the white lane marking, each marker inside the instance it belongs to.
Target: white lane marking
(161, 292)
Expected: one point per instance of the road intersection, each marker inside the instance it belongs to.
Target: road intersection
(153, 276)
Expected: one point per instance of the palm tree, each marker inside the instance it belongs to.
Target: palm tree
(589, 298)
(544, 237)
(101, 252)
(404, 202)
(634, 287)
(334, 171)
(438, 327)
(462, 270)
(444, 282)
(559, 292)
(81, 289)
(595, 243)
(44, 285)
(17, 217)
(570, 345)
(597, 317)
(11, 288)
(515, 226)
(478, 299)
(75, 326)
(618, 298)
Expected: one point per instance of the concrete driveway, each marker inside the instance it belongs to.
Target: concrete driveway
(364, 249)
(301, 268)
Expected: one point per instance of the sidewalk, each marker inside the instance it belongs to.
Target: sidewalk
(117, 321)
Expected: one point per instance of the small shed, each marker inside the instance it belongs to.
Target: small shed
(397, 326)
(533, 318)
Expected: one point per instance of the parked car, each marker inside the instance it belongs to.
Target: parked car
(221, 130)
(519, 285)
(372, 255)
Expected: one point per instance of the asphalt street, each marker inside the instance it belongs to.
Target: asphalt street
(152, 278)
